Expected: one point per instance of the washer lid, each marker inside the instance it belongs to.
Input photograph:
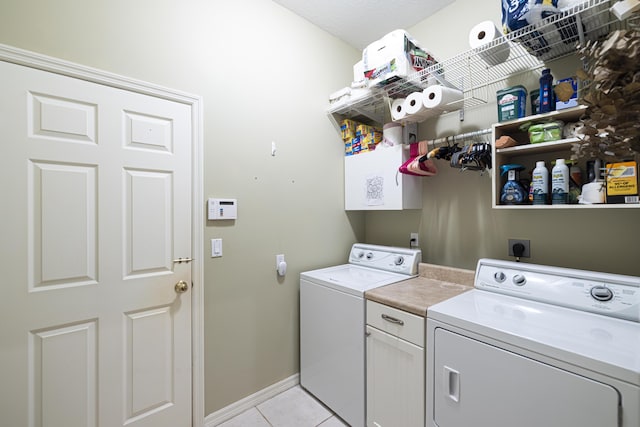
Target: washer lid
(353, 279)
(598, 343)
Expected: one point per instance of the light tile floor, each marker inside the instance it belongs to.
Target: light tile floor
(291, 408)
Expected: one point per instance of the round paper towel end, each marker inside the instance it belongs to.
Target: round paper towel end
(397, 109)
(414, 105)
(484, 34)
(443, 98)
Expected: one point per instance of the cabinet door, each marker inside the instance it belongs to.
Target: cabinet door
(395, 381)
(372, 181)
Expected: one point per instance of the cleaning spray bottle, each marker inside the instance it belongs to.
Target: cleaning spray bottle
(512, 192)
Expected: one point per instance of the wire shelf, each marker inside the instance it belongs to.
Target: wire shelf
(528, 49)
(473, 71)
(371, 107)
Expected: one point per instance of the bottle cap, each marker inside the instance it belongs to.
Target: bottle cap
(540, 164)
(560, 162)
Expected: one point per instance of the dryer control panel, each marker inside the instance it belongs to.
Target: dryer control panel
(603, 293)
(387, 258)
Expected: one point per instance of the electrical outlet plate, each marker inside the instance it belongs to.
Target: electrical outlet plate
(527, 248)
(413, 239)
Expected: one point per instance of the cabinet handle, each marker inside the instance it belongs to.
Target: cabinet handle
(392, 319)
(452, 381)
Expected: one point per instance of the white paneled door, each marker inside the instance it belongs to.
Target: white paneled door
(95, 311)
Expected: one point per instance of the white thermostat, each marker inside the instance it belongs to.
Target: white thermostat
(222, 209)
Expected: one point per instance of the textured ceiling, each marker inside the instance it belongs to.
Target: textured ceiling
(360, 22)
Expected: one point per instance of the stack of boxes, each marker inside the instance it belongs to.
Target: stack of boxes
(358, 137)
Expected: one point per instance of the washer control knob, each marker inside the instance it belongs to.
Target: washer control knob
(500, 277)
(399, 260)
(360, 254)
(369, 255)
(519, 280)
(601, 293)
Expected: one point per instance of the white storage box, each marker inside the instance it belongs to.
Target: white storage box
(394, 56)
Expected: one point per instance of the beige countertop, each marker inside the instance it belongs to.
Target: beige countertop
(434, 283)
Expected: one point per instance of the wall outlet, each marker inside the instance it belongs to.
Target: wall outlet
(525, 243)
(413, 240)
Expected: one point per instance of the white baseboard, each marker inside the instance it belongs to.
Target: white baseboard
(249, 402)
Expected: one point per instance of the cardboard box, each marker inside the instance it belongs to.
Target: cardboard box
(371, 139)
(348, 148)
(573, 100)
(622, 182)
(393, 57)
(348, 129)
(356, 145)
(362, 130)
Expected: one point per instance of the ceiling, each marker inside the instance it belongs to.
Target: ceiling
(360, 22)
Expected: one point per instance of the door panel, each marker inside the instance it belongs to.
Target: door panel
(58, 354)
(148, 208)
(395, 381)
(479, 384)
(60, 118)
(97, 185)
(63, 210)
(149, 361)
(148, 133)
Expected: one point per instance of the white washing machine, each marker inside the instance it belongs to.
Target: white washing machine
(535, 346)
(332, 324)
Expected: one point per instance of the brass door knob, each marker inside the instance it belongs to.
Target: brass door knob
(181, 287)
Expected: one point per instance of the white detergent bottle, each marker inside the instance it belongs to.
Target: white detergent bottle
(559, 183)
(540, 184)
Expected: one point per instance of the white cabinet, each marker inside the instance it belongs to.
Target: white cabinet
(395, 367)
(372, 181)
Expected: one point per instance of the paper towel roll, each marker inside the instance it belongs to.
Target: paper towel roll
(397, 109)
(442, 98)
(414, 106)
(392, 134)
(485, 33)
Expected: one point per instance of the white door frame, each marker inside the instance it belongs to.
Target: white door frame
(58, 66)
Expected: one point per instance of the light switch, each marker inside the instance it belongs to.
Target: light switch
(216, 248)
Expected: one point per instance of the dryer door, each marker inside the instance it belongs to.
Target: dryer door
(477, 384)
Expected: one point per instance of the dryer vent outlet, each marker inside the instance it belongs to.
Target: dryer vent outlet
(526, 253)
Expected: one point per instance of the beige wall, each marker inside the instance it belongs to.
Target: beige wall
(265, 75)
(457, 224)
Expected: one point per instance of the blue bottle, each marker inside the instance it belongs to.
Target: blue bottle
(547, 98)
(512, 192)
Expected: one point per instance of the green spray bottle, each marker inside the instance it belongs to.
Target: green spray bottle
(512, 192)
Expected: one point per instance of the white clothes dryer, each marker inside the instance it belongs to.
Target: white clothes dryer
(535, 346)
(332, 324)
